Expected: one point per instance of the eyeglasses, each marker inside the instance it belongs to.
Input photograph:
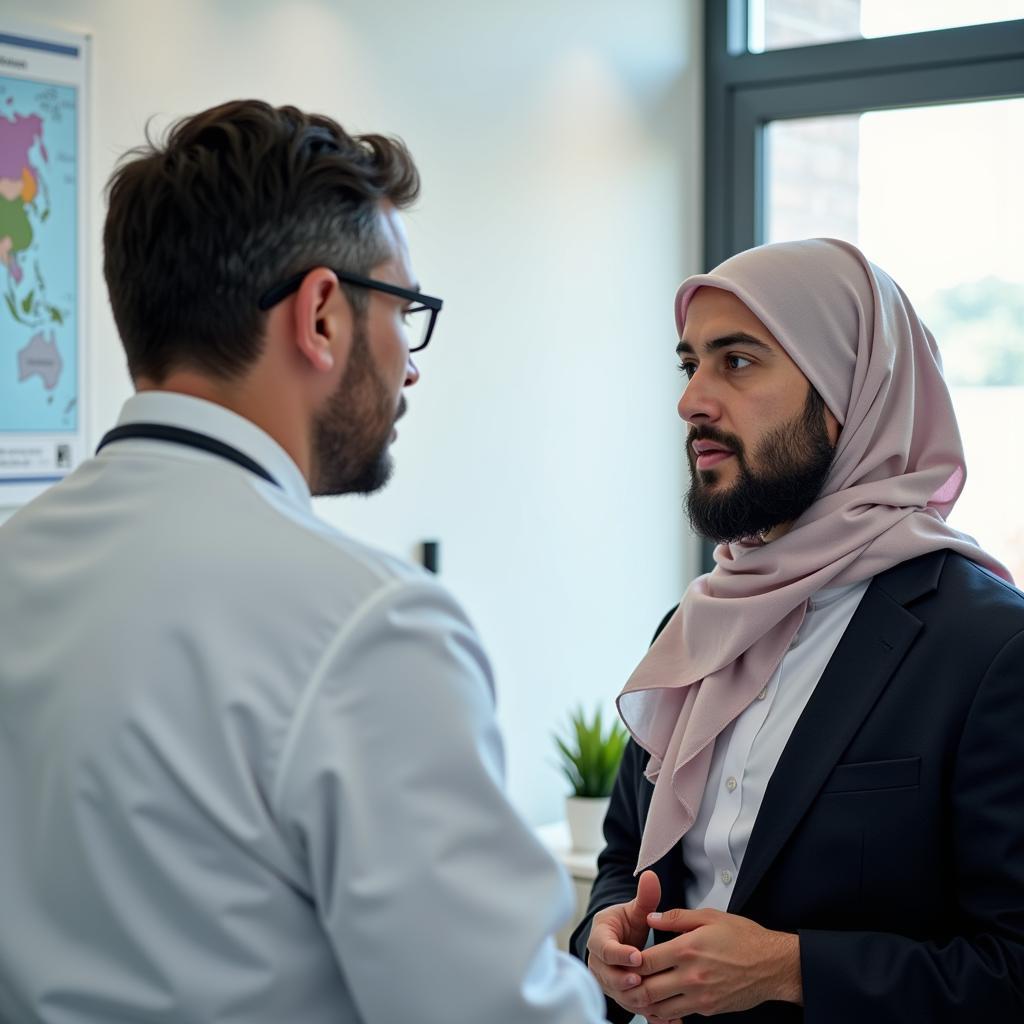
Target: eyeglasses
(419, 318)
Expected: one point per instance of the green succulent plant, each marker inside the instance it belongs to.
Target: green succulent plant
(590, 756)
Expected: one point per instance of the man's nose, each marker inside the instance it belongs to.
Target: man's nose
(412, 373)
(698, 402)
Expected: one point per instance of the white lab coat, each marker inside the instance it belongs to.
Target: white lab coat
(249, 767)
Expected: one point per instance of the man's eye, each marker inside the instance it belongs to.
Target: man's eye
(738, 362)
(688, 369)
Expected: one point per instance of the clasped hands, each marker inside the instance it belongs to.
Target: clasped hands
(718, 963)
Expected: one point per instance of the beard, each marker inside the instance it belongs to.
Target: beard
(792, 462)
(352, 433)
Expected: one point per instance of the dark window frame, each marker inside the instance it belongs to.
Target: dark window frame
(744, 91)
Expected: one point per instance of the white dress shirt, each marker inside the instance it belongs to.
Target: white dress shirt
(249, 767)
(747, 751)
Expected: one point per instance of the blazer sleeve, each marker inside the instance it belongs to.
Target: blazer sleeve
(977, 974)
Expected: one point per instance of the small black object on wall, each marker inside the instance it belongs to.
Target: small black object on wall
(431, 556)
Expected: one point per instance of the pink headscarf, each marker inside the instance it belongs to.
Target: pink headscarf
(898, 468)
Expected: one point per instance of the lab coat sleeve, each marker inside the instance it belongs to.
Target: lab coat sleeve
(438, 900)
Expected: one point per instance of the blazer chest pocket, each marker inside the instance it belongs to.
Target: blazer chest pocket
(870, 776)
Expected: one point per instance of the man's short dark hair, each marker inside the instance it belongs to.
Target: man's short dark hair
(237, 199)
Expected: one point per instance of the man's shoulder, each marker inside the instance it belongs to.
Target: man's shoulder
(959, 575)
(945, 579)
(315, 549)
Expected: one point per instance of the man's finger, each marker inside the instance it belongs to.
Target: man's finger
(618, 980)
(674, 1008)
(648, 893)
(656, 992)
(615, 953)
(665, 955)
(680, 920)
(604, 944)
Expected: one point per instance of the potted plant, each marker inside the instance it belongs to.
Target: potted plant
(589, 757)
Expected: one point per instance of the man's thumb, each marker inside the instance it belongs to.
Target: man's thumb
(648, 894)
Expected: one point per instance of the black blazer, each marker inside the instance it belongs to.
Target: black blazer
(891, 836)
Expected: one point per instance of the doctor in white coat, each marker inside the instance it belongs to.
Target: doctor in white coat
(249, 767)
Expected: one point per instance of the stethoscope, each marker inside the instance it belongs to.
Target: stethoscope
(188, 438)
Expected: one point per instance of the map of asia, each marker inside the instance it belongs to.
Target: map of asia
(38, 257)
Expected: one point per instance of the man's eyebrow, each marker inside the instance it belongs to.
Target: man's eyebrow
(736, 338)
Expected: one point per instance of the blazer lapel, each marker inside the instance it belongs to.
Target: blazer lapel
(879, 635)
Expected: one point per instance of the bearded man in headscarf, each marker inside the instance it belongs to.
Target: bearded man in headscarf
(824, 793)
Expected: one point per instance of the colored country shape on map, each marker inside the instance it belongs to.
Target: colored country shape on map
(15, 235)
(14, 225)
(17, 137)
(40, 357)
(24, 189)
(18, 186)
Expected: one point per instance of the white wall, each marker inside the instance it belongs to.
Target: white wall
(559, 147)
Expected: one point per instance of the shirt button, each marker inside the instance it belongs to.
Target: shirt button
(763, 694)
(730, 784)
(726, 877)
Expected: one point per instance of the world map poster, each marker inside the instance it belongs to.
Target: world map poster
(42, 113)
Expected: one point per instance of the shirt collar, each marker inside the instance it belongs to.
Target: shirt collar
(830, 595)
(214, 420)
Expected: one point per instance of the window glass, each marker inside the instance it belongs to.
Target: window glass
(778, 24)
(932, 195)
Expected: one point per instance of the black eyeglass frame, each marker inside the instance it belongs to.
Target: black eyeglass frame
(274, 295)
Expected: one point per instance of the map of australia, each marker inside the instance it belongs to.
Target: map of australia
(38, 257)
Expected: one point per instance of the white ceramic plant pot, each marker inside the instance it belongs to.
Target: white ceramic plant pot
(585, 815)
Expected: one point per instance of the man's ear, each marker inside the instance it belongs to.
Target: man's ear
(322, 322)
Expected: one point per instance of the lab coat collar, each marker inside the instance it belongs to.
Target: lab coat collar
(216, 421)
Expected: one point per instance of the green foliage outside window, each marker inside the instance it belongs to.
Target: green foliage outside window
(979, 327)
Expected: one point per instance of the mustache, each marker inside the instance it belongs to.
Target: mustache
(709, 433)
(402, 406)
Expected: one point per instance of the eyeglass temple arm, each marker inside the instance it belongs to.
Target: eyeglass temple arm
(280, 291)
